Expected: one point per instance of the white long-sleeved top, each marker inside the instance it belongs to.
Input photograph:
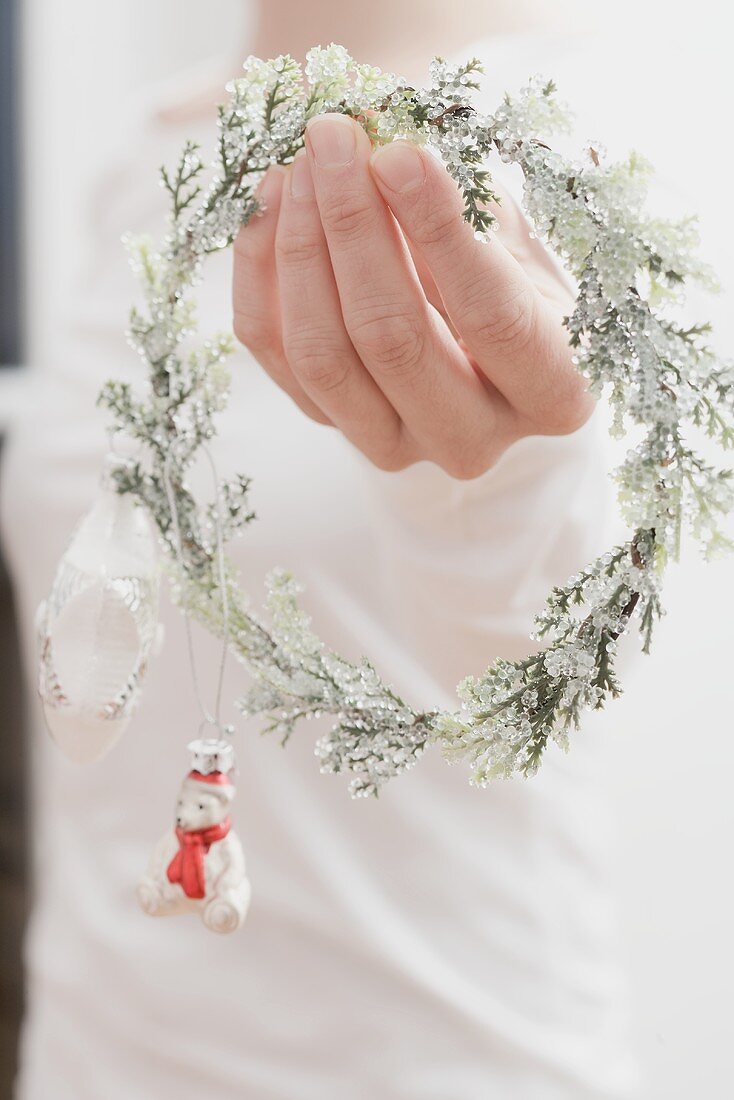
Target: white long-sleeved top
(439, 942)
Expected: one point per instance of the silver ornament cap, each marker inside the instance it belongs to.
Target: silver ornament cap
(212, 755)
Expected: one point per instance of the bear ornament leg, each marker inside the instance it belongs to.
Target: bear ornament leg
(199, 866)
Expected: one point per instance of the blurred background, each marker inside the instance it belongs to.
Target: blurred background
(70, 77)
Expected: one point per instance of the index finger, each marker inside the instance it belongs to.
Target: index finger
(402, 341)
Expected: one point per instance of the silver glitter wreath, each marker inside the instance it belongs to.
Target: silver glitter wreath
(660, 377)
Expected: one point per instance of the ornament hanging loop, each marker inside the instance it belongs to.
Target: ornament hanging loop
(208, 719)
(209, 724)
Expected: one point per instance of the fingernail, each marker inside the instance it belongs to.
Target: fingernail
(400, 166)
(268, 190)
(332, 140)
(301, 181)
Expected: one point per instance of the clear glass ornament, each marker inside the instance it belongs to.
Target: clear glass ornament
(98, 626)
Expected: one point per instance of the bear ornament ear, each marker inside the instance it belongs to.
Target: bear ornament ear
(201, 870)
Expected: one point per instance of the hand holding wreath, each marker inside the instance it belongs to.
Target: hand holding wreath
(443, 350)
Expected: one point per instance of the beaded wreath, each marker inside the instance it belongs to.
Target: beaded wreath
(660, 376)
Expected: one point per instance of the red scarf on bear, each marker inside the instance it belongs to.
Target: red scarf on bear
(187, 866)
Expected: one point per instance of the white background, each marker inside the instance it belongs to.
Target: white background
(670, 740)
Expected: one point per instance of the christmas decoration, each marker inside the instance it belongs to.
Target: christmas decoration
(98, 626)
(199, 865)
(661, 377)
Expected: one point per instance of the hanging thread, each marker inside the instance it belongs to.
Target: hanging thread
(207, 717)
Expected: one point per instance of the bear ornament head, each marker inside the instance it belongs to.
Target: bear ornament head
(203, 800)
(207, 791)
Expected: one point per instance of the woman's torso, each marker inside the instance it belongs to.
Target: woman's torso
(438, 942)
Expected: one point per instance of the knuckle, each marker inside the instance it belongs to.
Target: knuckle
(466, 466)
(313, 361)
(297, 248)
(472, 458)
(398, 456)
(436, 225)
(569, 409)
(392, 464)
(249, 248)
(321, 374)
(347, 215)
(255, 332)
(241, 244)
(505, 323)
(562, 402)
(394, 341)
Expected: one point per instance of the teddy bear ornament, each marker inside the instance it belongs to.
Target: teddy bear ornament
(198, 866)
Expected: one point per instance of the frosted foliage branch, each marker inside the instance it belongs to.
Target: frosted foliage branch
(661, 379)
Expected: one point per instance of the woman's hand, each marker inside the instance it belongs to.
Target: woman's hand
(445, 349)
